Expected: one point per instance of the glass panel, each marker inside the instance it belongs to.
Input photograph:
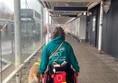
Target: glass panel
(32, 37)
(6, 41)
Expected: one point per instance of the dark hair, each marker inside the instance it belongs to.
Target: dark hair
(58, 32)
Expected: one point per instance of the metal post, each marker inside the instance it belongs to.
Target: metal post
(43, 22)
(17, 21)
(0, 55)
(44, 16)
(48, 18)
(41, 25)
(100, 28)
(12, 42)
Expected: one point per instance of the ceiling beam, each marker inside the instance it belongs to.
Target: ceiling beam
(42, 3)
(93, 4)
(69, 0)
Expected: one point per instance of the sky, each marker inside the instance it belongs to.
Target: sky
(8, 3)
(33, 4)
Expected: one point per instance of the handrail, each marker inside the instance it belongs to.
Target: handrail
(20, 67)
(7, 22)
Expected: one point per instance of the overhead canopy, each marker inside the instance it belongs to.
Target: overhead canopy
(63, 10)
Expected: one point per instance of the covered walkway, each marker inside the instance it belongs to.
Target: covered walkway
(86, 20)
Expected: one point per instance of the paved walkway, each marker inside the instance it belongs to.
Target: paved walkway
(95, 68)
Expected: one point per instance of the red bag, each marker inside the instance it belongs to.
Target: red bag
(59, 77)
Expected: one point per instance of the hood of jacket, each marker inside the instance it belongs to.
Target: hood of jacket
(58, 40)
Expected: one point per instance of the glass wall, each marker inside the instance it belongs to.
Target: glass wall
(32, 36)
(73, 24)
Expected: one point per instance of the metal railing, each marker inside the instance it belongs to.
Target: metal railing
(12, 76)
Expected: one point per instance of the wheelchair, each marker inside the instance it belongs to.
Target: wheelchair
(60, 74)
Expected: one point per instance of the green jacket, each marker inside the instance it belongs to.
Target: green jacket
(65, 53)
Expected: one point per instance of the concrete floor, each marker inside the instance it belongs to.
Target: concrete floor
(94, 67)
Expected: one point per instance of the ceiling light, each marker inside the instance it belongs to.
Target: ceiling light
(84, 13)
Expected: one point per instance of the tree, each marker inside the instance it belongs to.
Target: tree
(5, 12)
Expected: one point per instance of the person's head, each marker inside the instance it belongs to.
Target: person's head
(58, 31)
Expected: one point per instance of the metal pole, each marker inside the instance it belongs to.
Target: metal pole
(43, 22)
(17, 21)
(100, 28)
(12, 40)
(41, 25)
(0, 55)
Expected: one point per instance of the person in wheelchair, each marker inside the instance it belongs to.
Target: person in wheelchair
(59, 53)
